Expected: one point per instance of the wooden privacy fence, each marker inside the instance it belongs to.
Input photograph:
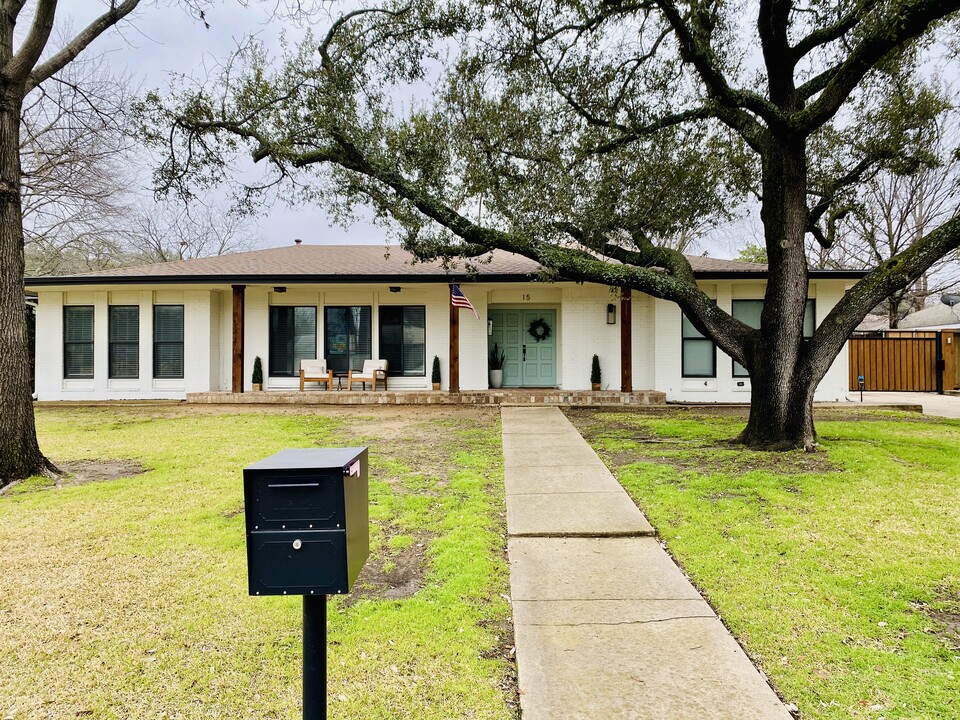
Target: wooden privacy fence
(896, 362)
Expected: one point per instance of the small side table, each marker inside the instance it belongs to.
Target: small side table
(340, 377)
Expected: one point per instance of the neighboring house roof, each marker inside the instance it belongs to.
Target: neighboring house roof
(873, 323)
(361, 263)
(932, 316)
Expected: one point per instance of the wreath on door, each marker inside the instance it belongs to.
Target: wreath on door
(539, 330)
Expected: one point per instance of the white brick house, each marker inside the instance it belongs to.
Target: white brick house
(165, 330)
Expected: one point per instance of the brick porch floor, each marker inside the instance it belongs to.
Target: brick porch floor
(473, 397)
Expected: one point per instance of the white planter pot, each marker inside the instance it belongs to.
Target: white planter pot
(496, 378)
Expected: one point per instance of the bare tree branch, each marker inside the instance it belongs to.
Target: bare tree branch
(79, 43)
(21, 64)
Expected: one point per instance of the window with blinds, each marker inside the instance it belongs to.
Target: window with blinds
(124, 341)
(699, 354)
(347, 337)
(749, 311)
(168, 342)
(78, 341)
(293, 337)
(403, 339)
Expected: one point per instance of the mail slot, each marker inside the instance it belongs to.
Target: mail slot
(307, 521)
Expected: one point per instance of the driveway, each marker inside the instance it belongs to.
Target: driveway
(947, 406)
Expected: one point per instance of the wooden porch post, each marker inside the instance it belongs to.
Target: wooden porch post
(454, 345)
(626, 341)
(238, 292)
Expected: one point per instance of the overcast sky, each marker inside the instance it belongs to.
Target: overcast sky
(162, 40)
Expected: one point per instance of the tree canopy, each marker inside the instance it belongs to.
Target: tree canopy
(591, 137)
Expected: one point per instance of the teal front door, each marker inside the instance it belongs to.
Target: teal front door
(528, 363)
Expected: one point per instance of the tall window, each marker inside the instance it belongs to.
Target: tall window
(699, 352)
(78, 341)
(347, 337)
(293, 337)
(403, 339)
(168, 342)
(749, 311)
(124, 334)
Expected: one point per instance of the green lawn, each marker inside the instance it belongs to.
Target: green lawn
(839, 572)
(127, 597)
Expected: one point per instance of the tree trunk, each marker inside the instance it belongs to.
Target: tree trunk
(780, 421)
(20, 455)
(782, 386)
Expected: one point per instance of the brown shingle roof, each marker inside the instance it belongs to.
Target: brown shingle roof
(344, 264)
(352, 262)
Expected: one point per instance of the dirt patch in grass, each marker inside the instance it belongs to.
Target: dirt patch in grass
(394, 574)
(409, 435)
(78, 472)
(864, 413)
(625, 442)
(506, 650)
(945, 614)
(950, 626)
(84, 471)
(379, 419)
(709, 458)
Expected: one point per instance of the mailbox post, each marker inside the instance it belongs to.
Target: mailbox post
(308, 534)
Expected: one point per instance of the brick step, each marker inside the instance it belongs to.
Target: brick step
(473, 397)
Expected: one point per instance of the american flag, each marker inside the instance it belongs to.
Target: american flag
(458, 299)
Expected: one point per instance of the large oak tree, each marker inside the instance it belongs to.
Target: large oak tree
(29, 62)
(589, 135)
(24, 66)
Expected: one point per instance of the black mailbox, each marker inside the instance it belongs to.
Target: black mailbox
(307, 521)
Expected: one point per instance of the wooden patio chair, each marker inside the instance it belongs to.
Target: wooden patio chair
(315, 371)
(373, 370)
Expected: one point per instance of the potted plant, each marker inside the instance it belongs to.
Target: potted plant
(595, 374)
(435, 373)
(497, 356)
(257, 374)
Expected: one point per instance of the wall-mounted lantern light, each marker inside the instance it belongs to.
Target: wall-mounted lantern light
(489, 326)
(611, 314)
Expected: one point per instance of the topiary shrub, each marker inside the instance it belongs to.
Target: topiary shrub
(435, 373)
(257, 371)
(497, 357)
(595, 371)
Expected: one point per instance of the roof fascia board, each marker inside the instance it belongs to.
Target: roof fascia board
(269, 279)
(32, 282)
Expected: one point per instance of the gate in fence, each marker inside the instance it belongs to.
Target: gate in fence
(897, 361)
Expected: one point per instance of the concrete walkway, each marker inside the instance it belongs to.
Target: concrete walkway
(607, 627)
(947, 406)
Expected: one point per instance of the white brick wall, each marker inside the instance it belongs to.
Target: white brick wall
(198, 357)
(49, 345)
(644, 342)
(583, 321)
(581, 331)
(726, 388)
(835, 383)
